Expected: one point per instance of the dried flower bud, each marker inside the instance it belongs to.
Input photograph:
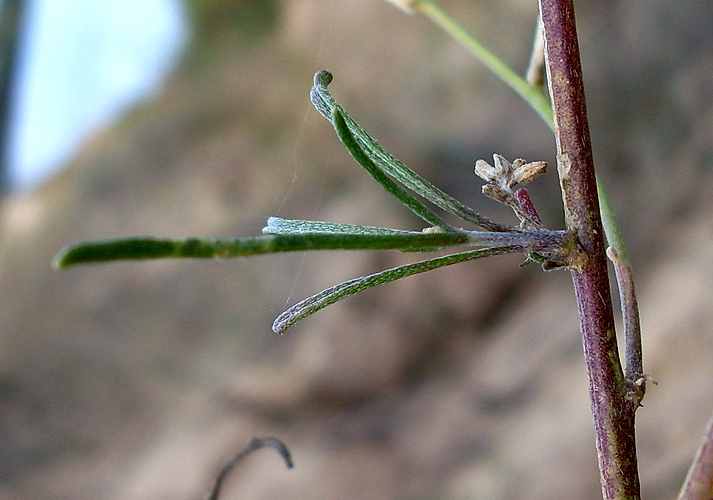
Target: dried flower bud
(503, 166)
(499, 194)
(525, 172)
(507, 175)
(499, 173)
(485, 171)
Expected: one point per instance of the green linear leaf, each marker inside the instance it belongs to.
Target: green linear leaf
(345, 135)
(333, 294)
(325, 103)
(145, 247)
(277, 225)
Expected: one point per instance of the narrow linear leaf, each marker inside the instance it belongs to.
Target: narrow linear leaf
(120, 249)
(333, 294)
(277, 225)
(141, 248)
(325, 103)
(379, 176)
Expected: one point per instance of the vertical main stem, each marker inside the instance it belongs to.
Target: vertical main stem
(612, 410)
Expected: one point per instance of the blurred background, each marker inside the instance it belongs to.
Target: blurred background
(138, 380)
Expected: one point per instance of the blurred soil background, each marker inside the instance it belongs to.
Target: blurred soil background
(138, 380)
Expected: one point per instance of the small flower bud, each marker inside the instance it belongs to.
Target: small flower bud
(507, 175)
(499, 173)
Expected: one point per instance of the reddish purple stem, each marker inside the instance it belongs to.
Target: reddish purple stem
(699, 482)
(613, 414)
(523, 197)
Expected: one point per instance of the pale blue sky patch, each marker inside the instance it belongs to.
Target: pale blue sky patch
(82, 63)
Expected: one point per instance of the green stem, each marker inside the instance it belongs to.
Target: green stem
(531, 94)
(611, 228)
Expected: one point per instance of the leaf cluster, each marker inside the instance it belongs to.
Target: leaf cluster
(551, 248)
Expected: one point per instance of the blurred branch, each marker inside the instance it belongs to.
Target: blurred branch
(699, 481)
(253, 445)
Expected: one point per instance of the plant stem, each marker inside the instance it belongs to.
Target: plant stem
(699, 481)
(631, 321)
(531, 94)
(613, 413)
(627, 293)
(253, 445)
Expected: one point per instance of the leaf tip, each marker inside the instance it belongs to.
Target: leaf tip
(280, 325)
(69, 256)
(272, 225)
(60, 260)
(323, 78)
